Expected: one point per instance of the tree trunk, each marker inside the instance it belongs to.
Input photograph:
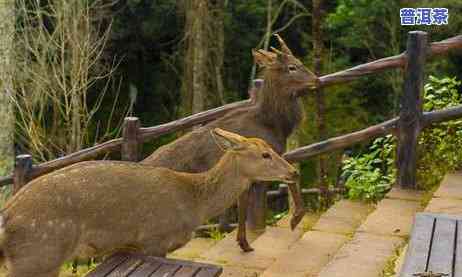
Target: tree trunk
(203, 79)
(320, 99)
(267, 36)
(6, 73)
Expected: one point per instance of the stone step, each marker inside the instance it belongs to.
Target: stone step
(448, 197)
(364, 256)
(378, 238)
(316, 247)
(275, 241)
(193, 249)
(268, 246)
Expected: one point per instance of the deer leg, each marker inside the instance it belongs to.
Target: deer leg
(299, 211)
(241, 231)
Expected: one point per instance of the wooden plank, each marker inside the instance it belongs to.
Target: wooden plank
(419, 245)
(187, 271)
(458, 251)
(442, 249)
(126, 268)
(145, 269)
(108, 265)
(166, 270)
(409, 123)
(209, 272)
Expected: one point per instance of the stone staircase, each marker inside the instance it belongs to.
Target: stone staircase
(349, 239)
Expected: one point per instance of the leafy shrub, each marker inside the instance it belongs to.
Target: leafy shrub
(370, 175)
(440, 146)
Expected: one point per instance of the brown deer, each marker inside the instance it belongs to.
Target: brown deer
(276, 113)
(97, 207)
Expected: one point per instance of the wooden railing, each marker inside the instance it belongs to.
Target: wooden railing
(406, 127)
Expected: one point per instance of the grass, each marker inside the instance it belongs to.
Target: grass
(428, 195)
(82, 270)
(216, 234)
(390, 265)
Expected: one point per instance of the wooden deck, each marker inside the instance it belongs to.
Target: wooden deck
(435, 249)
(136, 265)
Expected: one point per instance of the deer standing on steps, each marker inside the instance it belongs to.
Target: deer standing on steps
(96, 207)
(275, 115)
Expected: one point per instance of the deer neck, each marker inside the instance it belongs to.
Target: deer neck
(221, 186)
(277, 107)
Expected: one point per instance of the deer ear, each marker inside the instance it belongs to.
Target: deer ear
(262, 57)
(227, 140)
(282, 57)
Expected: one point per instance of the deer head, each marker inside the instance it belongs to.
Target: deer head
(281, 64)
(255, 159)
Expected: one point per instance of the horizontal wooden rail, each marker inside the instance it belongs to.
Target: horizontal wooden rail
(387, 127)
(398, 61)
(192, 120)
(350, 74)
(82, 155)
(442, 115)
(341, 142)
(277, 193)
(6, 180)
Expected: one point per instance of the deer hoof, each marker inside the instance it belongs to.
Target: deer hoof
(245, 246)
(296, 218)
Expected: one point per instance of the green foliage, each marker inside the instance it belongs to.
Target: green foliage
(370, 175)
(216, 234)
(272, 218)
(363, 22)
(440, 148)
(78, 268)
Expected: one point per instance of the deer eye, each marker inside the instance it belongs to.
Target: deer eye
(292, 68)
(266, 155)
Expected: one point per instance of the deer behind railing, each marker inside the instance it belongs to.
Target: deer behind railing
(276, 113)
(134, 135)
(94, 208)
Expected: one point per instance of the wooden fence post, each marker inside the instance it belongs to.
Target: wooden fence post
(410, 118)
(130, 144)
(284, 198)
(22, 168)
(256, 211)
(224, 219)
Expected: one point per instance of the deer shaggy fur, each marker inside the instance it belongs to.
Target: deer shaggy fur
(97, 207)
